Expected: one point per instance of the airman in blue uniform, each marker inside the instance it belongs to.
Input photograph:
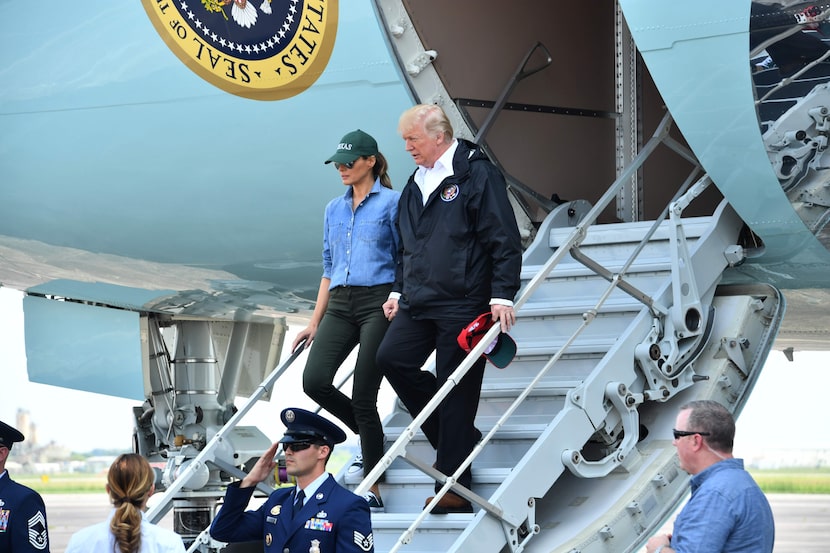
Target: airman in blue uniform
(22, 512)
(318, 515)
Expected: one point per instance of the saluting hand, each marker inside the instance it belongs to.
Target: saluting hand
(263, 468)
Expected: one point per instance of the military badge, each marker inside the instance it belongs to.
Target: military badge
(318, 524)
(38, 536)
(364, 542)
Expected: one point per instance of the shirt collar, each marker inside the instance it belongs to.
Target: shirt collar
(445, 161)
(311, 488)
(349, 193)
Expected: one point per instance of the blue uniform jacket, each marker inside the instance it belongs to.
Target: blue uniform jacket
(338, 519)
(22, 519)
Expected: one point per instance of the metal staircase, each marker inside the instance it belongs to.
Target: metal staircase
(614, 321)
(618, 326)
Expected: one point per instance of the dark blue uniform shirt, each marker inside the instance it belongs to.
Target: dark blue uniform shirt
(22, 518)
(333, 519)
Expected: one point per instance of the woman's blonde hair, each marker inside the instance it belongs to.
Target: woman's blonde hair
(129, 482)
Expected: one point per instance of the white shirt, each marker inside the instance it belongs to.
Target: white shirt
(99, 539)
(428, 178)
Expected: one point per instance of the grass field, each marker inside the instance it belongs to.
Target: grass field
(811, 481)
(64, 482)
(793, 480)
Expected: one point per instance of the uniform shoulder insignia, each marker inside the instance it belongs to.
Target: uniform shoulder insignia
(364, 542)
(38, 535)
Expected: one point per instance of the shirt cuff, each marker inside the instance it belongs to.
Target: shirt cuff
(394, 296)
(499, 301)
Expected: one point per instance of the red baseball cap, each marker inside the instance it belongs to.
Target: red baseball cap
(500, 353)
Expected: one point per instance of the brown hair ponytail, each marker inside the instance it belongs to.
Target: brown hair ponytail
(379, 170)
(129, 482)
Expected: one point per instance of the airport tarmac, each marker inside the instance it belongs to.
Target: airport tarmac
(802, 522)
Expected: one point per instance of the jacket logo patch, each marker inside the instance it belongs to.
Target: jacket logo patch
(449, 192)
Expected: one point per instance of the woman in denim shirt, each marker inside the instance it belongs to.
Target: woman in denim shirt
(360, 245)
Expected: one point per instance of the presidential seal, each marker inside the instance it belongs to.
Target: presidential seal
(449, 192)
(260, 49)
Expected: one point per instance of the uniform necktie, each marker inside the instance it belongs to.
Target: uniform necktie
(298, 503)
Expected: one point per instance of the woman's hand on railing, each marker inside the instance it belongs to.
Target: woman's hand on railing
(306, 334)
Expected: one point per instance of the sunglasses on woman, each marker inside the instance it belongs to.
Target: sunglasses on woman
(348, 165)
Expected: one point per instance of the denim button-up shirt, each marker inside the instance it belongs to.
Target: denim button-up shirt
(727, 512)
(360, 247)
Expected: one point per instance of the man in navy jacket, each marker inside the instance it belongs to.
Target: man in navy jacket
(460, 257)
(22, 513)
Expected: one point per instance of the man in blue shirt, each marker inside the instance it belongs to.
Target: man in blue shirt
(727, 511)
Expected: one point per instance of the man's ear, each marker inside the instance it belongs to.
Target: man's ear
(327, 453)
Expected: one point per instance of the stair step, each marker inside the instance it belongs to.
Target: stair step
(509, 388)
(570, 268)
(529, 427)
(436, 533)
(618, 234)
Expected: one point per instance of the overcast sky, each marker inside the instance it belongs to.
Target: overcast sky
(786, 410)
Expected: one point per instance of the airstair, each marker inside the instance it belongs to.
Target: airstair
(618, 325)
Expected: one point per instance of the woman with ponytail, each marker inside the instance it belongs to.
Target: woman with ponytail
(130, 483)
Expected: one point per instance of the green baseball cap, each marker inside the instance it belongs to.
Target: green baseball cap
(354, 145)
